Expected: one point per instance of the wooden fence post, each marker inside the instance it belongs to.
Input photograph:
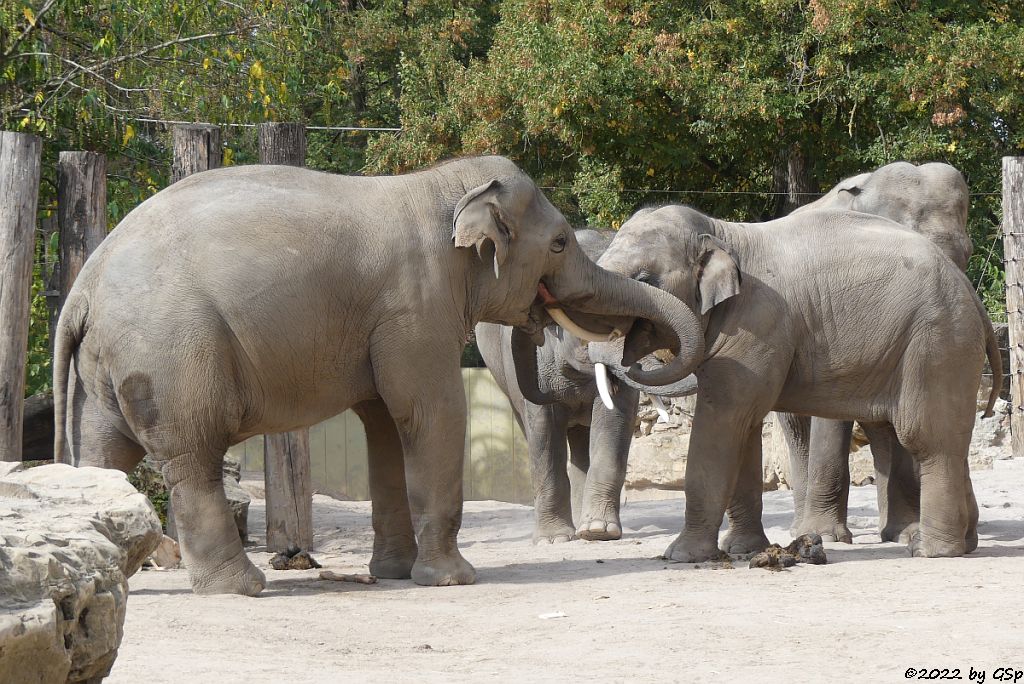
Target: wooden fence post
(196, 148)
(81, 221)
(19, 196)
(1013, 250)
(286, 456)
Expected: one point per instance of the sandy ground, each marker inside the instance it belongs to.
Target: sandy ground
(869, 615)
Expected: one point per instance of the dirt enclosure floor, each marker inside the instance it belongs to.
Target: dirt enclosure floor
(601, 611)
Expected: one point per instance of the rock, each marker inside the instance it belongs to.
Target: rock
(167, 555)
(69, 539)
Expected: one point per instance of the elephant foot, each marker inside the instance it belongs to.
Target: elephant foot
(747, 543)
(237, 577)
(443, 571)
(693, 550)
(555, 532)
(923, 545)
(898, 531)
(971, 541)
(599, 530)
(600, 523)
(828, 530)
(393, 561)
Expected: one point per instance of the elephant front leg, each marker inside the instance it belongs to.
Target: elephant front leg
(797, 431)
(712, 467)
(394, 542)
(828, 481)
(207, 533)
(746, 530)
(611, 431)
(579, 466)
(546, 431)
(432, 427)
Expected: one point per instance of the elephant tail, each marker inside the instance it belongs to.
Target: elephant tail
(70, 330)
(995, 361)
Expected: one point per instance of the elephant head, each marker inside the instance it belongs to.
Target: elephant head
(931, 199)
(673, 248)
(528, 270)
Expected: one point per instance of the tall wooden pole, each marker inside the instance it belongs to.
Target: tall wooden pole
(286, 466)
(196, 148)
(1013, 250)
(81, 212)
(19, 196)
(81, 222)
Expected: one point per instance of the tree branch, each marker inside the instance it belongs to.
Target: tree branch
(32, 25)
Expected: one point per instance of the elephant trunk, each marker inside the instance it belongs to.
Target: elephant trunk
(610, 294)
(524, 356)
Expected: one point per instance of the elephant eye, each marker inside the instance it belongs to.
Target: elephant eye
(558, 244)
(645, 276)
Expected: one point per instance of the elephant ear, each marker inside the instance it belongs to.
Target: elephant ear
(718, 276)
(478, 219)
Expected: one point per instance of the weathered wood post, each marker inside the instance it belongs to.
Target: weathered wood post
(19, 196)
(196, 148)
(1013, 250)
(286, 467)
(81, 222)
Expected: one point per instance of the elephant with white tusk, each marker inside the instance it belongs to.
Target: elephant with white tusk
(263, 299)
(783, 306)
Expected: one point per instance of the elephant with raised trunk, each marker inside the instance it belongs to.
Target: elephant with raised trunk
(782, 307)
(263, 299)
(931, 199)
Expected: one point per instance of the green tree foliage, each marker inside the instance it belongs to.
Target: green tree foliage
(609, 104)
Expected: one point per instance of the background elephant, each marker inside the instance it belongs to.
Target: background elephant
(598, 436)
(931, 199)
(262, 299)
(783, 306)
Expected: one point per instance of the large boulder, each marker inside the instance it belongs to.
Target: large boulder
(69, 539)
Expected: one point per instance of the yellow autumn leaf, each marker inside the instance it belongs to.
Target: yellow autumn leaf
(206, 62)
(256, 70)
(229, 157)
(129, 133)
(650, 171)
(951, 147)
(30, 16)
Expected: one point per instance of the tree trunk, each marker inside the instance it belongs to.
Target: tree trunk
(792, 182)
(37, 438)
(19, 196)
(1013, 249)
(196, 148)
(286, 456)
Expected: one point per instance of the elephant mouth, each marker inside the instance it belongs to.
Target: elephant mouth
(554, 309)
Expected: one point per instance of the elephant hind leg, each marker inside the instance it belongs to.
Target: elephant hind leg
(95, 437)
(394, 541)
(579, 466)
(210, 545)
(897, 484)
(948, 517)
(828, 481)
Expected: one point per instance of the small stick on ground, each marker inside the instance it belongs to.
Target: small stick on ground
(338, 577)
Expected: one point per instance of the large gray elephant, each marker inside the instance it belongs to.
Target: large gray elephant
(263, 299)
(931, 199)
(783, 306)
(597, 430)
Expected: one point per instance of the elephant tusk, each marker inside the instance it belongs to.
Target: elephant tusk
(603, 387)
(496, 276)
(563, 320)
(660, 406)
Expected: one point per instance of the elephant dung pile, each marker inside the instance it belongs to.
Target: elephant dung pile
(807, 548)
(69, 539)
